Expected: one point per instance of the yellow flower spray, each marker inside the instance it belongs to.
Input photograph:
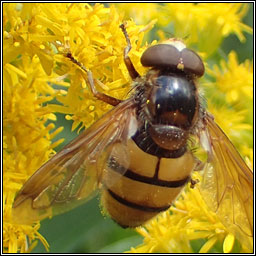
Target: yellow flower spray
(35, 72)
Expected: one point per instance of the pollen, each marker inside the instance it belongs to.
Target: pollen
(91, 107)
(16, 44)
(180, 66)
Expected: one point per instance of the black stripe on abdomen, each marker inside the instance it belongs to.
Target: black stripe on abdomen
(115, 166)
(137, 206)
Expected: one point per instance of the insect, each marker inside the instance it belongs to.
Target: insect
(137, 153)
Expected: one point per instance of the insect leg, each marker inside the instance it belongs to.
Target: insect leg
(131, 69)
(193, 182)
(99, 95)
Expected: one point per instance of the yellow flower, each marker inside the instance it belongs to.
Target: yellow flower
(35, 39)
(205, 23)
(239, 74)
(230, 98)
(27, 141)
(202, 25)
(134, 10)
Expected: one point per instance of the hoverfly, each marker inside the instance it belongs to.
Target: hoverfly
(137, 153)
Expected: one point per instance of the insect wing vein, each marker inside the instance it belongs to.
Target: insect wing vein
(227, 185)
(73, 175)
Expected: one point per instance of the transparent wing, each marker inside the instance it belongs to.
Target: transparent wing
(71, 176)
(227, 185)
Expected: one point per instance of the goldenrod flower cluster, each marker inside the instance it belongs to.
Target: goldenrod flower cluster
(36, 74)
(203, 26)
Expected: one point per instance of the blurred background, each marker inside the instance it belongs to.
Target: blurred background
(85, 229)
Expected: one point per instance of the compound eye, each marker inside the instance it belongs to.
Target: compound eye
(192, 62)
(161, 55)
(168, 56)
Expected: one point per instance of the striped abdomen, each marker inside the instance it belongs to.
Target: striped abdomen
(136, 192)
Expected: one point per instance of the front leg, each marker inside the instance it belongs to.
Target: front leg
(99, 95)
(131, 69)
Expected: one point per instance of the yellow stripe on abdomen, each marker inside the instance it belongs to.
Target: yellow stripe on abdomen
(143, 196)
